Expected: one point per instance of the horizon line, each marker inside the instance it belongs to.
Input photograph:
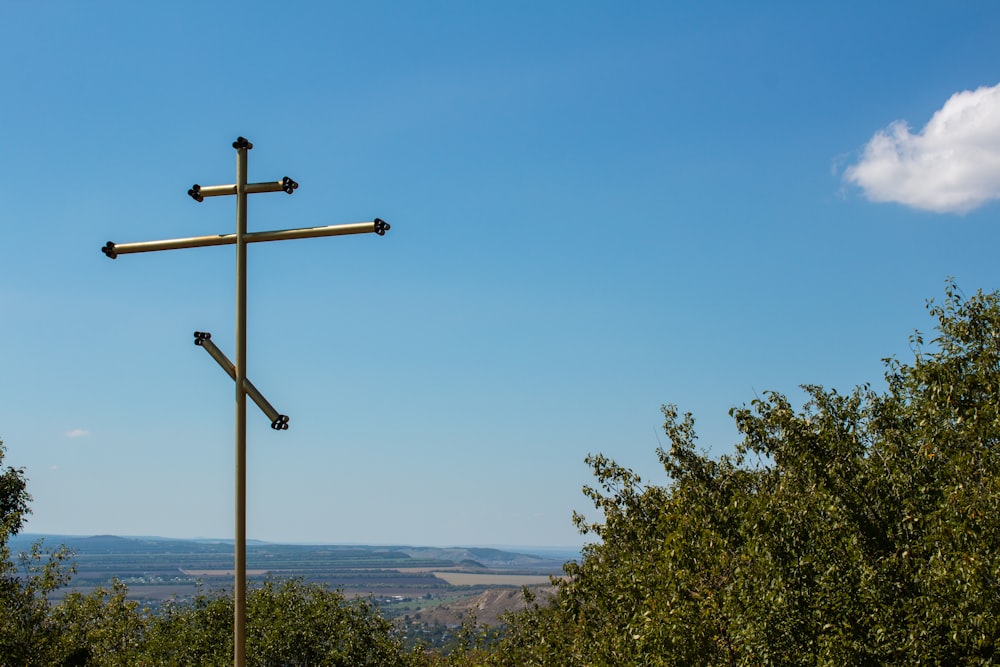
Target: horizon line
(454, 545)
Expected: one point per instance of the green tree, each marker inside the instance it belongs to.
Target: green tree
(14, 500)
(862, 528)
(27, 635)
(101, 629)
(289, 623)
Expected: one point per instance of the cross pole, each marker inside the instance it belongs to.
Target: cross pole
(238, 371)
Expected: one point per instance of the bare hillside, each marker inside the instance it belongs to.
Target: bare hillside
(487, 606)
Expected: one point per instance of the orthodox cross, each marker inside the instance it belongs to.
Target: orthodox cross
(238, 371)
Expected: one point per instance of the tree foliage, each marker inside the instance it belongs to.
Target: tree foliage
(27, 633)
(289, 623)
(862, 528)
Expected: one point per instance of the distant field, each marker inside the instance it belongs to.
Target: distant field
(221, 573)
(422, 570)
(403, 578)
(466, 579)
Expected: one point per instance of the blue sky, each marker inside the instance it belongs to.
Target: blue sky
(595, 210)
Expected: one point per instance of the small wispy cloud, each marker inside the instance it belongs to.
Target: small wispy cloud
(77, 433)
(951, 166)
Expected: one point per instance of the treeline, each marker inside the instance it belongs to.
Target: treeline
(289, 622)
(860, 529)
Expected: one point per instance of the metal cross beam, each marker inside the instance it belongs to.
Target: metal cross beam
(203, 339)
(238, 371)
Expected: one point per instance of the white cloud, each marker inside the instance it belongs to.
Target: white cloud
(77, 433)
(951, 166)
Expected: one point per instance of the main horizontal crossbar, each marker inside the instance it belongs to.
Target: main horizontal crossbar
(376, 226)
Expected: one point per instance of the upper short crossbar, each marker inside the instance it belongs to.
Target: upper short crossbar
(199, 192)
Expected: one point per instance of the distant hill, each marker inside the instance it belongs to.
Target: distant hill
(487, 557)
(95, 544)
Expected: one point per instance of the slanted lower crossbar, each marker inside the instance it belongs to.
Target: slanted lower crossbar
(203, 339)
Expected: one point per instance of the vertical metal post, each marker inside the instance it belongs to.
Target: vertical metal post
(279, 422)
(240, 583)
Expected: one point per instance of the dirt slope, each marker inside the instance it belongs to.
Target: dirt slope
(487, 606)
